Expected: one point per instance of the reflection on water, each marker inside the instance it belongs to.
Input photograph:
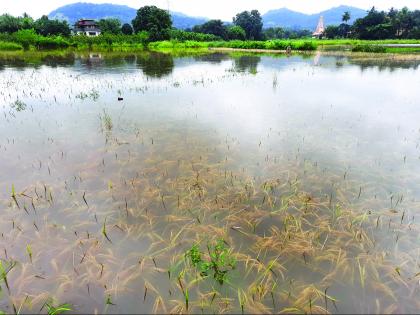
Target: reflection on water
(247, 63)
(313, 185)
(155, 65)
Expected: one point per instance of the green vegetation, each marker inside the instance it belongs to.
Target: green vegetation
(220, 260)
(251, 23)
(112, 26)
(283, 33)
(127, 29)
(164, 45)
(179, 35)
(29, 40)
(377, 25)
(155, 21)
(369, 49)
(303, 45)
(46, 27)
(43, 26)
(56, 310)
(236, 33)
(10, 46)
(152, 28)
(18, 106)
(212, 27)
(4, 270)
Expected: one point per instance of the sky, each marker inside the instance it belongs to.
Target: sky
(222, 9)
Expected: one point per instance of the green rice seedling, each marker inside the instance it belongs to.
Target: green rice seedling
(104, 233)
(4, 271)
(108, 300)
(13, 195)
(241, 299)
(29, 252)
(362, 273)
(187, 298)
(107, 121)
(56, 310)
(220, 260)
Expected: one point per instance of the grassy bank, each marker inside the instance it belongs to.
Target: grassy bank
(28, 40)
(300, 45)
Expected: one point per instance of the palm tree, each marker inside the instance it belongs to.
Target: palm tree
(346, 17)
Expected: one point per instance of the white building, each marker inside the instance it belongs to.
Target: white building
(86, 27)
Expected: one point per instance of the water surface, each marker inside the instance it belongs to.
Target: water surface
(306, 166)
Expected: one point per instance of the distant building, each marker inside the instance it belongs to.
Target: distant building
(86, 27)
(320, 29)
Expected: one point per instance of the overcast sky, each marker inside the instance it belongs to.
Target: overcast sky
(223, 9)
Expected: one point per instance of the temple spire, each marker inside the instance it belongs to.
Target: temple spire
(320, 29)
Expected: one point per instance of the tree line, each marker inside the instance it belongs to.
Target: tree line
(394, 24)
(156, 24)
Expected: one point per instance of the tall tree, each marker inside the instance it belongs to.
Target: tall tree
(236, 32)
(346, 17)
(127, 29)
(214, 27)
(45, 27)
(405, 22)
(155, 21)
(10, 24)
(251, 22)
(375, 25)
(109, 25)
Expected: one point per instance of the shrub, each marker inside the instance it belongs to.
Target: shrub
(10, 46)
(182, 36)
(51, 42)
(26, 38)
(271, 44)
(236, 33)
(308, 45)
(369, 48)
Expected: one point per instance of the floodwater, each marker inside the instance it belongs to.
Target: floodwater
(306, 168)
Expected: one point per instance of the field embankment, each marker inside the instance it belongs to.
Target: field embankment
(29, 40)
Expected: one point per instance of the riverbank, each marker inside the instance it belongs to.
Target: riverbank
(33, 42)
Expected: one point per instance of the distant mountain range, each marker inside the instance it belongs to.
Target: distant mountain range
(292, 19)
(73, 12)
(274, 18)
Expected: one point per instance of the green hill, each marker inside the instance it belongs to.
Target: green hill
(126, 14)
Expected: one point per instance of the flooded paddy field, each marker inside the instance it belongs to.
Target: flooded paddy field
(214, 183)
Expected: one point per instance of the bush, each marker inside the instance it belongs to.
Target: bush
(26, 38)
(271, 44)
(307, 46)
(236, 33)
(10, 46)
(182, 36)
(177, 45)
(369, 49)
(51, 42)
(108, 40)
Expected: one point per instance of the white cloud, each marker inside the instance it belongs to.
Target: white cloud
(223, 9)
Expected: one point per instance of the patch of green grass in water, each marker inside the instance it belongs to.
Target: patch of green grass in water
(220, 260)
